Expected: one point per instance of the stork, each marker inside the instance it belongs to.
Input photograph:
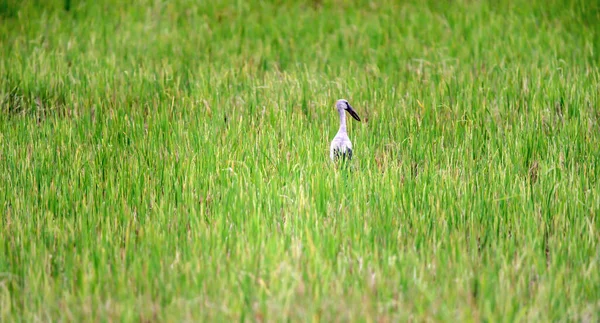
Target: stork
(341, 146)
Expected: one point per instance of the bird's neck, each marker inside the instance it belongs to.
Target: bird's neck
(342, 120)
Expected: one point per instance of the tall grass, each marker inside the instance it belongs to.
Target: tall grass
(168, 160)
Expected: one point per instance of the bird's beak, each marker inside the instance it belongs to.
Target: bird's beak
(352, 112)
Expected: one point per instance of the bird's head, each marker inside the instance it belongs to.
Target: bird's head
(342, 105)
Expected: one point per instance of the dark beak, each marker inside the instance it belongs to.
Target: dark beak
(352, 113)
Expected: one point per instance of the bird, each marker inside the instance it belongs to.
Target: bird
(341, 146)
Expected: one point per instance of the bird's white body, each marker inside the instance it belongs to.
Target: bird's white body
(341, 146)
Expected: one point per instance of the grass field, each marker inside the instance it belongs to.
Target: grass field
(168, 161)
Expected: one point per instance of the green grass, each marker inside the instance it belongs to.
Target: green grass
(168, 161)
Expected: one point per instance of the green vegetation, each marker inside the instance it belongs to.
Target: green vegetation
(168, 161)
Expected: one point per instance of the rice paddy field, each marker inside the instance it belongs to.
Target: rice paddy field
(169, 161)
